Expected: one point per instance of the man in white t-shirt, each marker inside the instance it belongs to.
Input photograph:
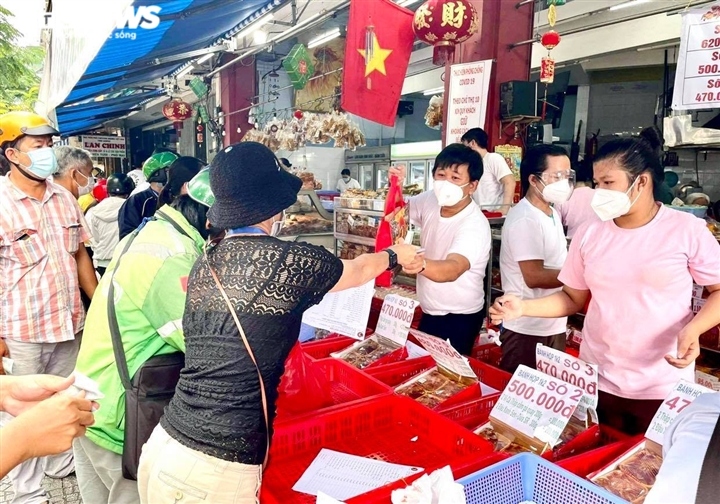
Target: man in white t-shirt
(497, 185)
(533, 252)
(456, 238)
(347, 182)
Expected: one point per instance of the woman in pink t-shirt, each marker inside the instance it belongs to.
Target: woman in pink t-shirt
(639, 260)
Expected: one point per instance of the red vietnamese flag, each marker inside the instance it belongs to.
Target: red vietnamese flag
(371, 89)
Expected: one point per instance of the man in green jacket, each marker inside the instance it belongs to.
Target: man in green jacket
(150, 290)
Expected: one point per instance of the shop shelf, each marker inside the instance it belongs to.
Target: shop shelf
(346, 385)
(390, 428)
(527, 477)
(399, 372)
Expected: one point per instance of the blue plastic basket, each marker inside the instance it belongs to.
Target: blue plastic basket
(529, 477)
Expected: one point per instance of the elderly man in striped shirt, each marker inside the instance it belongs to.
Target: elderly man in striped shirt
(43, 265)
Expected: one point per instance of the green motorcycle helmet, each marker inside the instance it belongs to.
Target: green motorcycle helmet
(157, 162)
(199, 188)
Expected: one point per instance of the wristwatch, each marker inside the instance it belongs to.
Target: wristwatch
(393, 262)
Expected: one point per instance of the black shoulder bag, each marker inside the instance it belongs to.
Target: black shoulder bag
(150, 389)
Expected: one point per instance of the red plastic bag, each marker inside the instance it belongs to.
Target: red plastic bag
(303, 386)
(393, 227)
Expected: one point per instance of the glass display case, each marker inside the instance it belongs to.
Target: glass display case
(356, 222)
(308, 221)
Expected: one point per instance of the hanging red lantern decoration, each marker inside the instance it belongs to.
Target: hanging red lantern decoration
(550, 40)
(177, 111)
(443, 24)
(298, 114)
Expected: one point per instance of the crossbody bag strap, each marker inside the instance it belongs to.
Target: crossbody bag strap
(115, 335)
(709, 484)
(249, 351)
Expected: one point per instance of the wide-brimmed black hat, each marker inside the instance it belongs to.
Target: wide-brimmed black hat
(249, 186)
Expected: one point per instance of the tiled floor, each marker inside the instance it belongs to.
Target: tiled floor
(64, 491)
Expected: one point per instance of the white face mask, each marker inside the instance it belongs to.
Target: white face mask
(278, 225)
(558, 192)
(447, 193)
(87, 188)
(609, 204)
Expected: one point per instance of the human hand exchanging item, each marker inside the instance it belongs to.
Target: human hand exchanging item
(507, 307)
(19, 393)
(400, 172)
(688, 349)
(406, 254)
(416, 266)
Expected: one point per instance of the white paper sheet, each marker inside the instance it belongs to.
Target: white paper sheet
(345, 312)
(343, 476)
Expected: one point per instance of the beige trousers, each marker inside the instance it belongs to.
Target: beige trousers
(172, 473)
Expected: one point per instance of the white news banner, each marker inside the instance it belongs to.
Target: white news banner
(537, 405)
(345, 312)
(343, 476)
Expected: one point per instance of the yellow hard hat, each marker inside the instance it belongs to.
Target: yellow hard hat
(13, 125)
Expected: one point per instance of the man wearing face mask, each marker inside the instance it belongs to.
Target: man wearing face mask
(456, 238)
(534, 249)
(74, 170)
(142, 205)
(43, 265)
(347, 182)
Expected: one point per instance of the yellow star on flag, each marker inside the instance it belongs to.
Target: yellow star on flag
(377, 61)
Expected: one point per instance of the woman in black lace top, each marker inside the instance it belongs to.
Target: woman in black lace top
(212, 441)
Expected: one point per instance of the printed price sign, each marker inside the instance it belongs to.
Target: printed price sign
(704, 379)
(537, 405)
(697, 80)
(573, 371)
(395, 319)
(680, 398)
(444, 354)
(698, 304)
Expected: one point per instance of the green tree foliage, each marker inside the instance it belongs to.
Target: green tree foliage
(19, 68)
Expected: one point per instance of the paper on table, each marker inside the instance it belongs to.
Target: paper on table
(343, 476)
(345, 312)
(323, 498)
(414, 351)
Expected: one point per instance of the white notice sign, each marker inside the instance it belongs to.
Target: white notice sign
(104, 146)
(537, 405)
(467, 99)
(697, 80)
(395, 318)
(573, 371)
(445, 354)
(680, 398)
(345, 312)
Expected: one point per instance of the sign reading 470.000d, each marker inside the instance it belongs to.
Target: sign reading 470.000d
(697, 80)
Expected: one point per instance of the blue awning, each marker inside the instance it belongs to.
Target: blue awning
(92, 114)
(154, 43)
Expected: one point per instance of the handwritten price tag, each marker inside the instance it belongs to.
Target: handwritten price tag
(537, 405)
(573, 371)
(396, 317)
(680, 398)
(444, 354)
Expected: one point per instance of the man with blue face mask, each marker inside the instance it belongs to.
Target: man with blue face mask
(43, 266)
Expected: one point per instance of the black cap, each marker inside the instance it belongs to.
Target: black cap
(119, 184)
(249, 186)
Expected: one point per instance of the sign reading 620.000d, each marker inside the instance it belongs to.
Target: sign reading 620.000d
(697, 80)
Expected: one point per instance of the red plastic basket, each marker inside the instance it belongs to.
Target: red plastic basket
(322, 349)
(346, 385)
(395, 429)
(490, 353)
(396, 373)
(613, 444)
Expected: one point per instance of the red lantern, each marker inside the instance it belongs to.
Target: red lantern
(444, 24)
(550, 39)
(298, 114)
(177, 111)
